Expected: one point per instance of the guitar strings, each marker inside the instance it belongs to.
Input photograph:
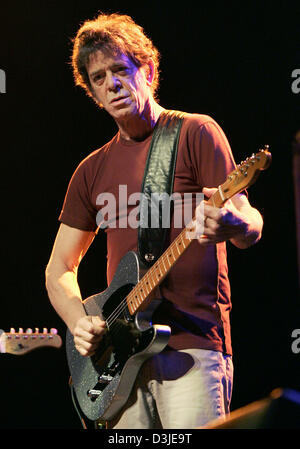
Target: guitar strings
(148, 276)
(165, 257)
(123, 304)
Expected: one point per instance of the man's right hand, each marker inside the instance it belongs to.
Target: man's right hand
(88, 333)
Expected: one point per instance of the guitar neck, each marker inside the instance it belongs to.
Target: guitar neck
(155, 275)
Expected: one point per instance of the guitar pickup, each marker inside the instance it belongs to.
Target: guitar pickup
(105, 379)
(102, 381)
(93, 394)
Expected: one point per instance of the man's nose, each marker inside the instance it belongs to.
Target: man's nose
(113, 82)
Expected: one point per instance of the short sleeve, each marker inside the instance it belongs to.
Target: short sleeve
(216, 155)
(78, 211)
(208, 153)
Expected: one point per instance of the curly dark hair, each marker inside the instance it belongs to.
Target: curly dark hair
(114, 33)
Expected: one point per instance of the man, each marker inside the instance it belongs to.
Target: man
(189, 383)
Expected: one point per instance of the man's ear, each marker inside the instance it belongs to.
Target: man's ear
(150, 71)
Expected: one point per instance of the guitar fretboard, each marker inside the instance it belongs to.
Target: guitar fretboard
(155, 275)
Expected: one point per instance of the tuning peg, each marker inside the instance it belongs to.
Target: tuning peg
(53, 331)
(45, 330)
(36, 332)
(29, 331)
(12, 330)
(20, 330)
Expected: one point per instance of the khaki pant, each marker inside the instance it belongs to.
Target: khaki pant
(179, 390)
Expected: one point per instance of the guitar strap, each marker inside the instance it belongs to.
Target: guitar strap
(157, 187)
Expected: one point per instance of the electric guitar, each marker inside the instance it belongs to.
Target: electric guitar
(102, 383)
(19, 343)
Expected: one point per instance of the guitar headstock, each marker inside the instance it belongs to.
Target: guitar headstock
(246, 172)
(21, 342)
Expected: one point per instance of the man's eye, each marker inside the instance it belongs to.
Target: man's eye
(97, 78)
(122, 70)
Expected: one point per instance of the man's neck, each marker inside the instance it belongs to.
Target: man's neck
(140, 127)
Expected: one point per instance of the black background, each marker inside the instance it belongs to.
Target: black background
(230, 60)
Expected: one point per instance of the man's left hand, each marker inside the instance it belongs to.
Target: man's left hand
(232, 222)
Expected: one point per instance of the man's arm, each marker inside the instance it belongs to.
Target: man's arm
(236, 221)
(61, 282)
(253, 223)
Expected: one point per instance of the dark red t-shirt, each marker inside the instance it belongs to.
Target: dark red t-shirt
(196, 292)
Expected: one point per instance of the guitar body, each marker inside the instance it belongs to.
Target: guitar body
(103, 382)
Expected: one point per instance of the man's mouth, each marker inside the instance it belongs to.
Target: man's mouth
(115, 100)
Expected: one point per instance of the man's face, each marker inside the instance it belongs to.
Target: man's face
(120, 86)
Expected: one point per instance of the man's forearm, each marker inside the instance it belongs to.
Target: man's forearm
(64, 294)
(252, 231)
